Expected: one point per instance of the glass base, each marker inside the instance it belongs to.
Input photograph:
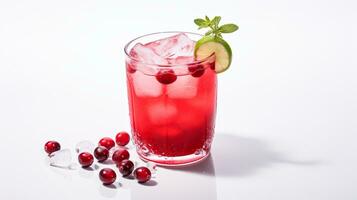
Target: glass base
(175, 161)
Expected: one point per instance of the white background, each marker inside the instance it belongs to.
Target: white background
(287, 108)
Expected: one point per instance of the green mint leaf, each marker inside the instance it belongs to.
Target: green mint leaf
(199, 22)
(203, 26)
(228, 28)
(215, 21)
(213, 25)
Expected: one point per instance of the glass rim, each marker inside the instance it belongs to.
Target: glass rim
(196, 62)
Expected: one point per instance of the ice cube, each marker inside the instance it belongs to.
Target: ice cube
(62, 159)
(146, 85)
(85, 146)
(184, 87)
(174, 46)
(181, 60)
(162, 113)
(146, 55)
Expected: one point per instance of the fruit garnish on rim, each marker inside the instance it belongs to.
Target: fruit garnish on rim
(213, 42)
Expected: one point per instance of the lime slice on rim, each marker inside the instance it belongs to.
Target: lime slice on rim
(210, 44)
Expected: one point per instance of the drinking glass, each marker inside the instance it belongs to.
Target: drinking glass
(172, 106)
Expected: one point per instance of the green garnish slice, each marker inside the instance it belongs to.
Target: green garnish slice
(213, 42)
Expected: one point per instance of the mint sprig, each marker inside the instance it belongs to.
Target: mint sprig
(213, 25)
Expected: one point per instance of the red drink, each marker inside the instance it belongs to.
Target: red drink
(172, 98)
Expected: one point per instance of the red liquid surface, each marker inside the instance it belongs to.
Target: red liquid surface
(175, 119)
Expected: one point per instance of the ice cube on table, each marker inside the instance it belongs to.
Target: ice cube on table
(85, 146)
(146, 85)
(62, 159)
(184, 87)
(174, 46)
(146, 55)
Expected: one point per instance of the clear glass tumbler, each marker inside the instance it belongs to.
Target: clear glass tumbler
(172, 106)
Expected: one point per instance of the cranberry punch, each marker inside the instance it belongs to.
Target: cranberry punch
(172, 98)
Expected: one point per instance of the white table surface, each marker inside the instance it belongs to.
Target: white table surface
(287, 109)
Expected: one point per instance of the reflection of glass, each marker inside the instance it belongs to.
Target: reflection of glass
(172, 105)
(181, 183)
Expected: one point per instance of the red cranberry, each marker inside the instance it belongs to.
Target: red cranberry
(101, 153)
(106, 142)
(122, 138)
(107, 176)
(142, 174)
(125, 167)
(130, 68)
(85, 159)
(52, 146)
(197, 70)
(166, 76)
(120, 155)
